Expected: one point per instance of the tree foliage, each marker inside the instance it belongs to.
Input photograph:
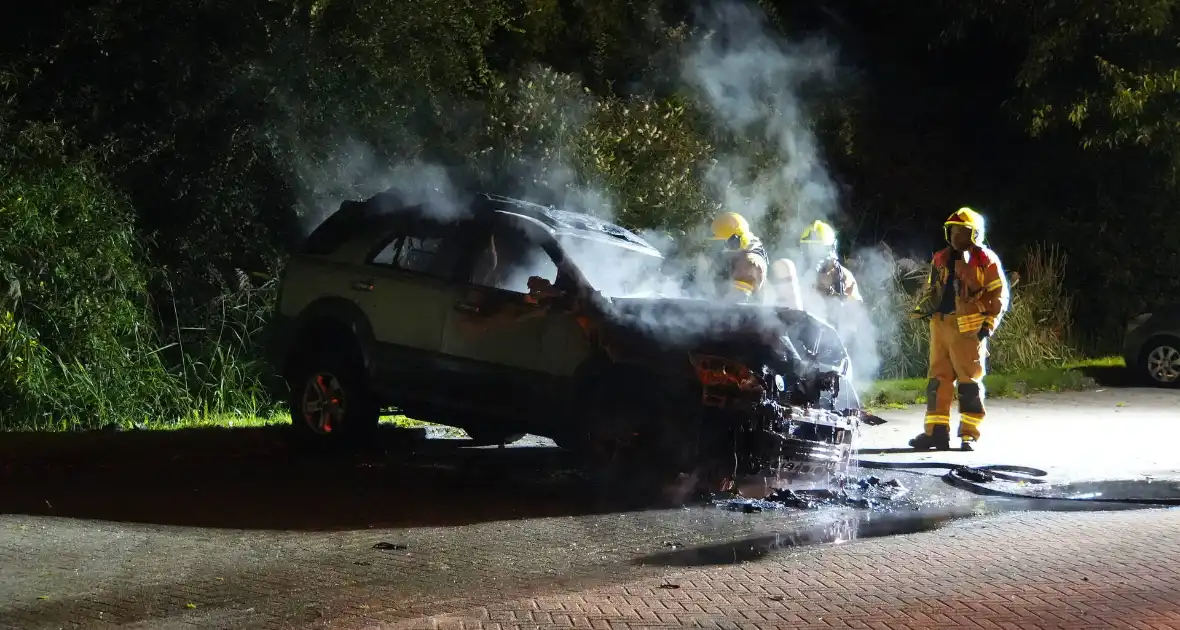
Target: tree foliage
(1109, 70)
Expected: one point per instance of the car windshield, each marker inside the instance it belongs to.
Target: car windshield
(614, 269)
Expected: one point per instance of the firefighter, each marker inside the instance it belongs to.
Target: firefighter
(836, 288)
(965, 296)
(742, 263)
(832, 279)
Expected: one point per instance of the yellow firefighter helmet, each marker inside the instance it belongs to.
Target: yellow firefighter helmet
(969, 219)
(819, 233)
(732, 228)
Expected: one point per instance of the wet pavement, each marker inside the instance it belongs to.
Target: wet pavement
(220, 530)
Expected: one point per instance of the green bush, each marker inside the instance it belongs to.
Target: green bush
(78, 344)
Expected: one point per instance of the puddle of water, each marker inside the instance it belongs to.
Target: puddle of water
(838, 529)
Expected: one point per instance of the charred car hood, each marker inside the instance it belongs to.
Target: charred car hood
(694, 321)
(698, 319)
(739, 331)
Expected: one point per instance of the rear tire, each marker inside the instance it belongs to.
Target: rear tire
(331, 402)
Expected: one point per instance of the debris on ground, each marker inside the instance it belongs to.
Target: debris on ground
(871, 420)
(865, 493)
(388, 546)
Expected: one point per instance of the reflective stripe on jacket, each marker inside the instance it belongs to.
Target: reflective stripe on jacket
(982, 294)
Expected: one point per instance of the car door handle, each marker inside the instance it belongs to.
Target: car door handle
(363, 285)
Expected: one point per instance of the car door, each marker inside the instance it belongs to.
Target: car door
(412, 280)
(497, 336)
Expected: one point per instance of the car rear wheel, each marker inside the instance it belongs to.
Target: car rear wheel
(1161, 362)
(330, 399)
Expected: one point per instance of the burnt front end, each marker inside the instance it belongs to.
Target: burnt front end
(767, 384)
(768, 422)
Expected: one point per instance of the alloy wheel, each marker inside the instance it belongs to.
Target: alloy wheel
(1163, 364)
(323, 403)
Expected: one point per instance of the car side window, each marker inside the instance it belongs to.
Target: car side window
(425, 247)
(509, 257)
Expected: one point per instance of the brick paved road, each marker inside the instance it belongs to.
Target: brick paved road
(91, 572)
(1089, 570)
(1016, 570)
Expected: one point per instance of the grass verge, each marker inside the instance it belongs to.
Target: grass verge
(1070, 376)
(278, 418)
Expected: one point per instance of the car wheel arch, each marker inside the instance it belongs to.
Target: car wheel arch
(336, 319)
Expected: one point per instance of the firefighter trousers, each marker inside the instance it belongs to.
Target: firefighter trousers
(958, 363)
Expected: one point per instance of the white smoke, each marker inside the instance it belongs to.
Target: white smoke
(350, 170)
(751, 80)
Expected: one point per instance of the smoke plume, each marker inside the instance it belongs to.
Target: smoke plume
(752, 81)
(354, 171)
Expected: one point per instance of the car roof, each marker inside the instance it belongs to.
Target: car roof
(566, 222)
(383, 210)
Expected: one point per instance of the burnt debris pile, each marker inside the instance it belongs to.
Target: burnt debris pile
(869, 493)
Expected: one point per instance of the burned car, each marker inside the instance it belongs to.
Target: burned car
(506, 317)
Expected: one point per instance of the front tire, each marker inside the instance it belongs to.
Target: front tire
(1160, 362)
(331, 402)
(629, 435)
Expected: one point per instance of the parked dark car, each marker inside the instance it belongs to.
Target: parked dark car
(1151, 345)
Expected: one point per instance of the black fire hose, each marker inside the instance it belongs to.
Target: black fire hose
(972, 478)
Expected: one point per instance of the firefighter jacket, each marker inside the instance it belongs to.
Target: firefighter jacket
(743, 272)
(980, 288)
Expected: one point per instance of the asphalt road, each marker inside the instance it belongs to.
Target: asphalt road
(232, 529)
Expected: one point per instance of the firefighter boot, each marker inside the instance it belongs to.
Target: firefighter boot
(938, 438)
(967, 440)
